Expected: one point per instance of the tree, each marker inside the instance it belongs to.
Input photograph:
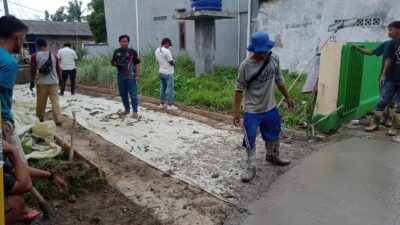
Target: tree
(74, 11)
(46, 15)
(97, 20)
(59, 15)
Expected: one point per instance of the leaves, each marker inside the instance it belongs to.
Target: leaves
(97, 21)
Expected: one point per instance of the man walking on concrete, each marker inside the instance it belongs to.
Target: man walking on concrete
(166, 71)
(257, 75)
(390, 81)
(381, 50)
(12, 38)
(67, 56)
(128, 66)
(49, 79)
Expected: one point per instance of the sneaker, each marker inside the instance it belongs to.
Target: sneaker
(172, 107)
(162, 106)
(135, 115)
(123, 113)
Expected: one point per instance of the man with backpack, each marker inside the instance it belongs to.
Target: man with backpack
(49, 79)
(257, 75)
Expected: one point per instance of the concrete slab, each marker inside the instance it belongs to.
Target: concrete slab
(355, 182)
(194, 15)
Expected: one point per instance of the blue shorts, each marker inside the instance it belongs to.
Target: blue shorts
(268, 122)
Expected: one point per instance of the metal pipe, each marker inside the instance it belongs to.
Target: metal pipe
(137, 27)
(239, 33)
(6, 12)
(248, 25)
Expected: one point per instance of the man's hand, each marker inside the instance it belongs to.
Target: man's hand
(290, 103)
(32, 85)
(137, 77)
(236, 119)
(382, 80)
(59, 183)
(9, 149)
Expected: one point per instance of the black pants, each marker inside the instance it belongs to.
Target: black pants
(72, 75)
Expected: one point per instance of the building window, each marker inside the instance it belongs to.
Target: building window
(364, 22)
(182, 36)
(159, 18)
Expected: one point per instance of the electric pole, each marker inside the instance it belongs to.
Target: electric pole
(6, 7)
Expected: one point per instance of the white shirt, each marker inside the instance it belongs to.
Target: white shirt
(67, 57)
(164, 56)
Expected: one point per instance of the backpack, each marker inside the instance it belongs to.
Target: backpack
(47, 66)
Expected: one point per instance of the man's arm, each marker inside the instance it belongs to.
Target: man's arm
(237, 103)
(363, 51)
(282, 88)
(386, 68)
(113, 63)
(58, 68)
(55, 179)
(23, 181)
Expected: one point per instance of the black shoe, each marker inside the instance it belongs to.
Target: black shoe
(61, 94)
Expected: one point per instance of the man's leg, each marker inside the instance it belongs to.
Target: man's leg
(396, 116)
(16, 206)
(171, 89)
(123, 92)
(387, 93)
(250, 125)
(133, 93)
(271, 130)
(11, 136)
(41, 101)
(73, 80)
(55, 106)
(64, 81)
(163, 88)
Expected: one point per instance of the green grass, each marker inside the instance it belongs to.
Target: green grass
(213, 92)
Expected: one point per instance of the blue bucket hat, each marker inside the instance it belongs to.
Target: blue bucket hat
(260, 42)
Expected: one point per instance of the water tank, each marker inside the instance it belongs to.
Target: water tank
(212, 5)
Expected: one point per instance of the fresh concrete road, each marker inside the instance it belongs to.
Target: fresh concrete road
(354, 182)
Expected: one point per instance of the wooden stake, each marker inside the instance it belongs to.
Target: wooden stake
(72, 149)
(99, 164)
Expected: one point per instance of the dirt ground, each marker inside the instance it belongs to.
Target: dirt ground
(153, 197)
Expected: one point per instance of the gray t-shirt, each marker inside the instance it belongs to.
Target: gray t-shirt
(52, 77)
(259, 95)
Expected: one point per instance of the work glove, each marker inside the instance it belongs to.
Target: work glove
(32, 85)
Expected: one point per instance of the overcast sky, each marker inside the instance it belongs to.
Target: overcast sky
(34, 9)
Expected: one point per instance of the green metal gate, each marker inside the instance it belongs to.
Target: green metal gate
(358, 86)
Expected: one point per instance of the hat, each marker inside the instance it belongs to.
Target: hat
(165, 41)
(260, 42)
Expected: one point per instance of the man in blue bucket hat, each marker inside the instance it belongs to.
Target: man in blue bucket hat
(257, 75)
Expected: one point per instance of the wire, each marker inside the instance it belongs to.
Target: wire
(26, 7)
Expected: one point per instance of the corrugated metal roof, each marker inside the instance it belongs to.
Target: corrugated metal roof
(58, 28)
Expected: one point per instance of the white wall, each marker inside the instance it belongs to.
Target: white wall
(301, 26)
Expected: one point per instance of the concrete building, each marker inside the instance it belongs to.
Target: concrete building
(299, 27)
(154, 20)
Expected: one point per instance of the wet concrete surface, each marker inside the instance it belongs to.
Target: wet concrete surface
(353, 182)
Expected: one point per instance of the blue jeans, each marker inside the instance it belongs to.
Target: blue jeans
(389, 90)
(167, 85)
(268, 122)
(127, 85)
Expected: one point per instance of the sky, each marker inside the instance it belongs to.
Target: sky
(34, 9)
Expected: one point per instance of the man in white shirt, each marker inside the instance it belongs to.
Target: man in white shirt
(166, 63)
(67, 57)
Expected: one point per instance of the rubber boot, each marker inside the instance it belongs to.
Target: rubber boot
(377, 118)
(272, 156)
(251, 166)
(396, 125)
(389, 117)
